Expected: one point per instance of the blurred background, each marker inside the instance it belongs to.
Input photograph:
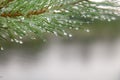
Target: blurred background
(93, 53)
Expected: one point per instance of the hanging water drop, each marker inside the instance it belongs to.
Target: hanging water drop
(12, 40)
(55, 33)
(65, 33)
(20, 37)
(76, 28)
(16, 40)
(21, 42)
(2, 48)
(87, 30)
(70, 35)
(48, 19)
(75, 7)
(22, 18)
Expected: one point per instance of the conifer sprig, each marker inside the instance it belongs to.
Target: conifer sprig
(19, 18)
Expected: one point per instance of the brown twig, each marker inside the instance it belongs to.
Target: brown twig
(11, 14)
(16, 14)
(37, 12)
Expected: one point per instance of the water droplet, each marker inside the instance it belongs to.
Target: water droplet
(75, 7)
(12, 40)
(70, 35)
(70, 27)
(24, 31)
(113, 18)
(16, 40)
(109, 19)
(87, 30)
(55, 33)
(20, 37)
(21, 42)
(22, 18)
(76, 28)
(48, 19)
(2, 48)
(57, 11)
(65, 33)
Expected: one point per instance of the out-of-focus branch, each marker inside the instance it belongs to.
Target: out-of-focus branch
(4, 3)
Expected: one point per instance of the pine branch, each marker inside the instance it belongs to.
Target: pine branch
(20, 18)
